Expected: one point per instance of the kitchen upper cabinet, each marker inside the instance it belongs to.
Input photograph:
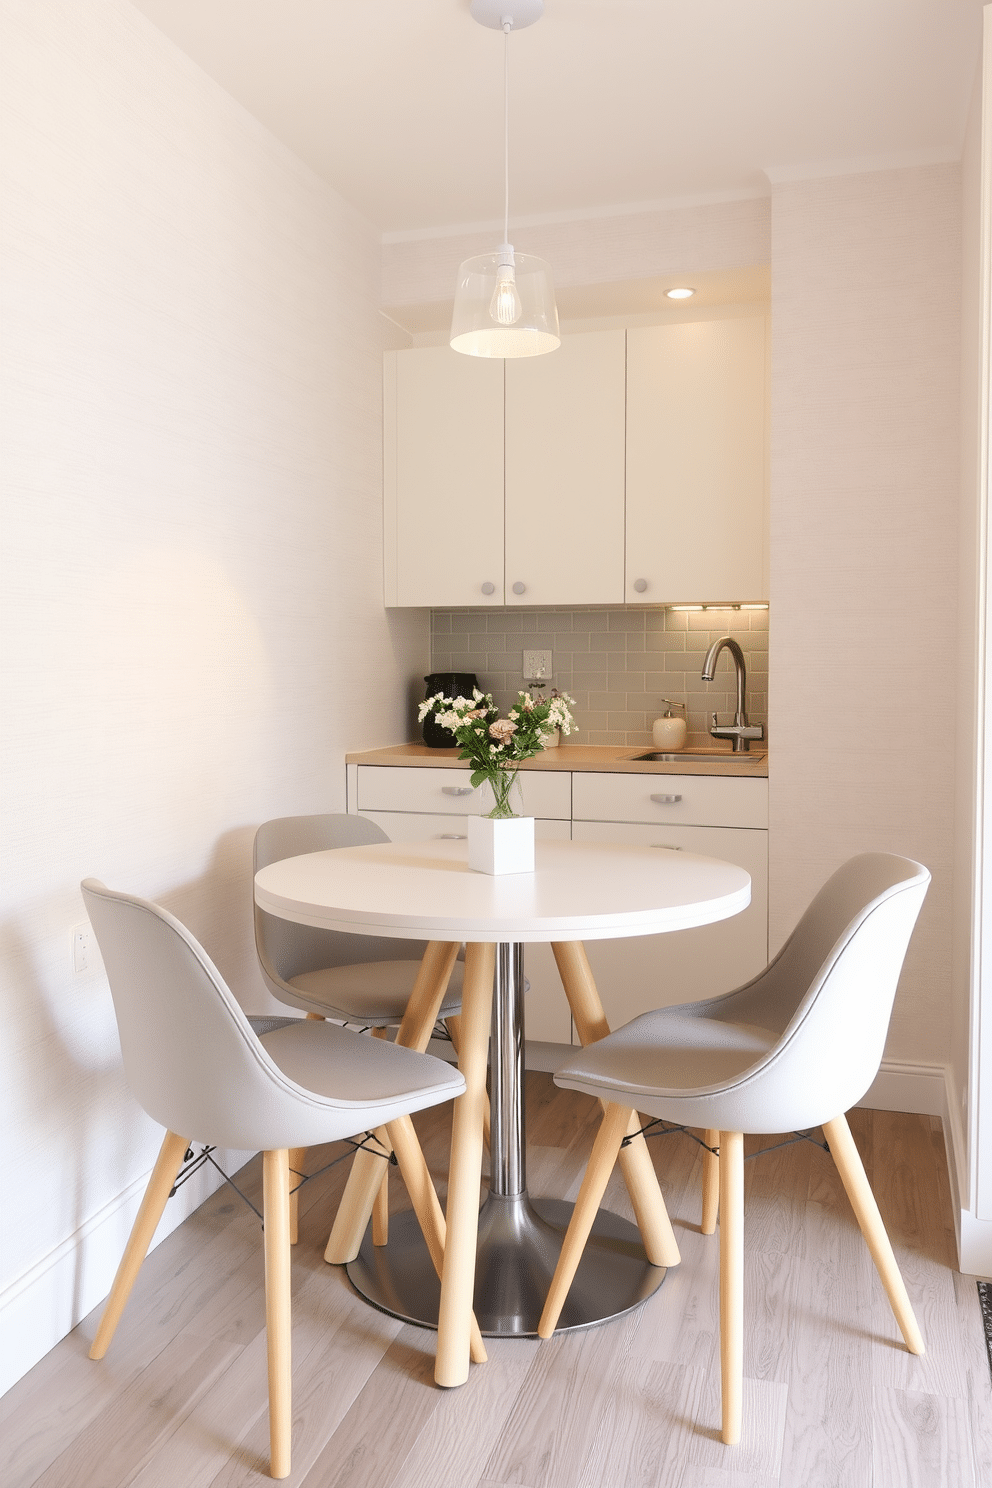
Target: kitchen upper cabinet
(565, 473)
(442, 478)
(697, 462)
(627, 466)
(505, 487)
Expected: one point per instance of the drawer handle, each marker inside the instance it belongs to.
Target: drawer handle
(460, 837)
(666, 847)
(640, 585)
(519, 588)
(456, 790)
(489, 587)
(666, 800)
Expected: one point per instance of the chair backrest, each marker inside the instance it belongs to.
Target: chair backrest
(196, 1066)
(286, 950)
(190, 1055)
(828, 995)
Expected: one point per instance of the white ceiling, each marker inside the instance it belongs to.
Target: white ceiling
(614, 103)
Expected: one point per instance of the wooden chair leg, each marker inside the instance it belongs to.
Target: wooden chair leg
(167, 1165)
(454, 1027)
(464, 1173)
(278, 1317)
(380, 1209)
(427, 1207)
(297, 1157)
(635, 1159)
(855, 1181)
(732, 1283)
(602, 1161)
(711, 1183)
(358, 1199)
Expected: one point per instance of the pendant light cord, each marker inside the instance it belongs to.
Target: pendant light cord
(507, 24)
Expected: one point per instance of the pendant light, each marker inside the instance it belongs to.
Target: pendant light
(505, 301)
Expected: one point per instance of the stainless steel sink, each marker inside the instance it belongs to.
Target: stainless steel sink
(662, 758)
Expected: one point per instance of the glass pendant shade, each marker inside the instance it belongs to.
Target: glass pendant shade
(505, 308)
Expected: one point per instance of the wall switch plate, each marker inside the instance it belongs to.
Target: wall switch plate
(82, 947)
(537, 666)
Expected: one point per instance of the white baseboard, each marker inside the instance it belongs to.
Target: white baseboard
(909, 1087)
(975, 1246)
(47, 1301)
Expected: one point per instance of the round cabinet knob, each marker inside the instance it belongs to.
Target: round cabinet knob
(640, 585)
(488, 588)
(519, 588)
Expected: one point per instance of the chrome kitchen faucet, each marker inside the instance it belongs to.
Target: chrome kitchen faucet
(740, 731)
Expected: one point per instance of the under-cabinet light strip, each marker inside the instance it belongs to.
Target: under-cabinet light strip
(718, 607)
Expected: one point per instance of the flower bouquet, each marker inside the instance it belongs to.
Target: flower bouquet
(495, 746)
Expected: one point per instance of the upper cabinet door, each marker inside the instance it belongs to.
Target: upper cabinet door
(697, 462)
(565, 473)
(442, 478)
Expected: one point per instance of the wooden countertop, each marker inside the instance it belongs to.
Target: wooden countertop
(604, 757)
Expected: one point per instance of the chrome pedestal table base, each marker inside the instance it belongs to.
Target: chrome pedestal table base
(519, 1238)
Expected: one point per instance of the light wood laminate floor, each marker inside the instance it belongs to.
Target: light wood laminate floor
(831, 1397)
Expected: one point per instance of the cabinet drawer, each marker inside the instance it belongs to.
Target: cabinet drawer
(417, 826)
(683, 800)
(448, 792)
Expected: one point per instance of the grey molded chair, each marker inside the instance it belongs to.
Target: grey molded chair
(196, 1066)
(362, 979)
(793, 1049)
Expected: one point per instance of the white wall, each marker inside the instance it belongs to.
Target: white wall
(193, 631)
(864, 556)
(972, 1066)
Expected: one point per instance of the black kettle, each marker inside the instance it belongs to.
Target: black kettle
(451, 685)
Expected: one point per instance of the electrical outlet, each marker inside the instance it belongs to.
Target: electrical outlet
(82, 947)
(537, 666)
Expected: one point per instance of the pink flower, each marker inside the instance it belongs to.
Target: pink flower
(502, 730)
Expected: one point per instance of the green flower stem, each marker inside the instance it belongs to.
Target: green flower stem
(501, 783)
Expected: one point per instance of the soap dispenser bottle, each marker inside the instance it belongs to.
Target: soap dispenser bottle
(669, 732)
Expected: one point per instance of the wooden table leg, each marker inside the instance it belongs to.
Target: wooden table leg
(635, 1160)
(454, 1027)
(465, 1171)
(426, 1206)
(368, 1170)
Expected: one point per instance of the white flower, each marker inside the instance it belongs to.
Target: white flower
(431, 703)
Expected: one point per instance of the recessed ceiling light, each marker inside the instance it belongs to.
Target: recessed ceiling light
(680, 294)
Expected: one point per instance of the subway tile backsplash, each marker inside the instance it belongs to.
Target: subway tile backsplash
(617, 664)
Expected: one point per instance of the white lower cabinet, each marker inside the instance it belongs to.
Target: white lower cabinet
(718, 817)
(652, 971)
(449, 792)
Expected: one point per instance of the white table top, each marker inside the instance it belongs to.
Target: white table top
(579, 891)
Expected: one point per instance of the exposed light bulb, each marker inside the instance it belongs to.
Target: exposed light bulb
(505, 307)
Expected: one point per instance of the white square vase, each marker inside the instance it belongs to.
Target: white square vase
(501, 844)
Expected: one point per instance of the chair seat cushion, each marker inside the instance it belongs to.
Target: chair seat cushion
(371, 993)
(372, 1078)
(666, 1060)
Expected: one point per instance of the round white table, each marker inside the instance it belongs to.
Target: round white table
(578, 892)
